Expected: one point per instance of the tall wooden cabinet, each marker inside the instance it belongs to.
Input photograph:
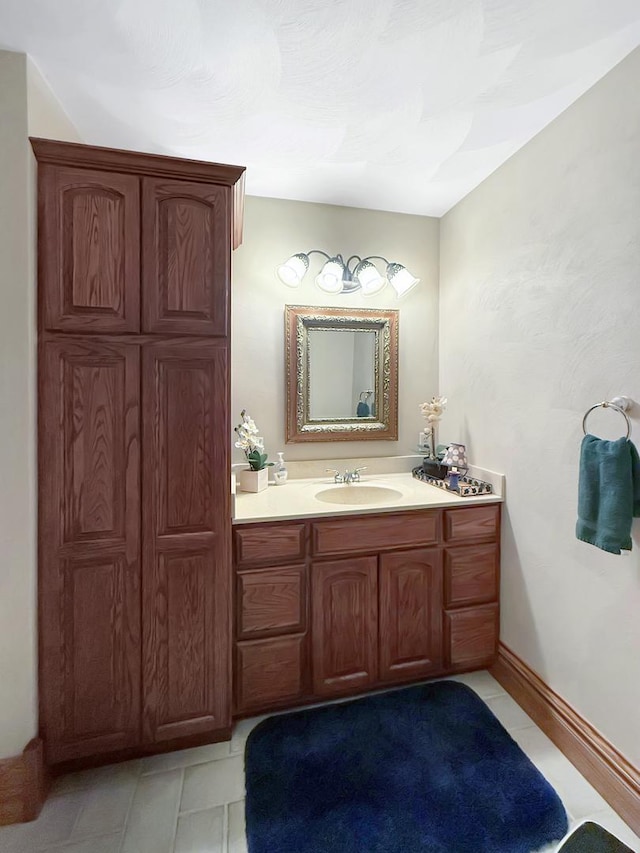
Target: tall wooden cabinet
(134, 538)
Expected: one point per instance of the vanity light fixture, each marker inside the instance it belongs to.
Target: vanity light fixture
(340, 276)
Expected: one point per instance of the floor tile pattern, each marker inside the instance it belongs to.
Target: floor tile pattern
(192, 801)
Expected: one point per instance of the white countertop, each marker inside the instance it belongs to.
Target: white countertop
(298, 498)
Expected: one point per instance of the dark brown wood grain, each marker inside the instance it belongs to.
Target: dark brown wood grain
(370, 533)
(271, 601)
(24, 783)
(410, 619)
(89, 250)
(186, 245)
(138, 163)
(269, 672)
(272, 543)
(186, 554)
(471, 575)
(344, 618)
(474, 523)
(471, 636)
(89, 583)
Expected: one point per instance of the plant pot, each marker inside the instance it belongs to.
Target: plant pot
(434, 468)
(253, 481)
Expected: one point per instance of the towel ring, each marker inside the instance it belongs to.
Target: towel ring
(606, 405)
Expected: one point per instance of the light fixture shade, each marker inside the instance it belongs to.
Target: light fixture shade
(401, 279)
(456, 457)
(293, 271)
(330, 277)
(370, 280)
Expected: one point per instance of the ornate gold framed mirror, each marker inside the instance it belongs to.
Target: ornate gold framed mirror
(341, 374)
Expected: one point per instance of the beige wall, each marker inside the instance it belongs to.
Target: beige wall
(539, 319)
(274, 230)
(45, 114)
(18, 637)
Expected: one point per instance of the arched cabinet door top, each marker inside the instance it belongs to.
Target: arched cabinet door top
(186, 236)
(89, 250)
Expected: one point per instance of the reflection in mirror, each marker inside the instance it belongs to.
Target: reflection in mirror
(342, 372)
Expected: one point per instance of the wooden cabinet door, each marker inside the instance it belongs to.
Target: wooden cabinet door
(186, 610)
(89, 585)
(89, 250)
(410, 614)
(186, 257)
(344, 614)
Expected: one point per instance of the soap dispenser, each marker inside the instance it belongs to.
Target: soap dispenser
(280, 472)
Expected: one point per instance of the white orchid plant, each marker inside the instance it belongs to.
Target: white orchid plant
(251, 443)
(432, 412)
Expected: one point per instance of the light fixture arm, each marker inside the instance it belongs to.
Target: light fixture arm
(375, 258)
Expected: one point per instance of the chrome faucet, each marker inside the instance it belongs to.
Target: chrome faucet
(348, 477)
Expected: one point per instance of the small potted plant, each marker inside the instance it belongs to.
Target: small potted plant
(255, 478)
(432, 413)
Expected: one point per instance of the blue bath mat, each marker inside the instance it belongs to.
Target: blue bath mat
(426, 769)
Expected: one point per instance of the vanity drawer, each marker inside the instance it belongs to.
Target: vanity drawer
(472, 523)
(471, 636)
(271, 601)
(269, 672)
(375, 533)
(470, 575)
(269, 543)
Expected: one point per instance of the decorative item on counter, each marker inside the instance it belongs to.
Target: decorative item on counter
(280, 472)
(256, 477)
(432, 412)
(467, 486)
(456, 457)
(453, 480)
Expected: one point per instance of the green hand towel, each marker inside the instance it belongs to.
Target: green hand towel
(608, 493)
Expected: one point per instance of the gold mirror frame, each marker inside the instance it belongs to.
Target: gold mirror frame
(299, 319)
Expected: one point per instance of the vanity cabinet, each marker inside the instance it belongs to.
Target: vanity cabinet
(351, 603)
(135, 580)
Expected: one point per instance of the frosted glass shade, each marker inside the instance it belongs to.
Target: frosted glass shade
(292, 272)
(370, 280)
(401, 279)
(330, 278)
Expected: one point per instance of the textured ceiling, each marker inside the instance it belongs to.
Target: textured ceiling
(401, 105)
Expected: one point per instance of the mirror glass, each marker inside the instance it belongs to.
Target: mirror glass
(342, 369)
(342, 374)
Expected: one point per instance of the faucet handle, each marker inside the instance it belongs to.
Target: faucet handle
(356, 472)
(337, 476)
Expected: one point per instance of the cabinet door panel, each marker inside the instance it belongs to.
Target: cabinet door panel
(186, 257)
(186, 530)
(89, 586)
(471, 575)
(410, 614)
(472, 636)
(271, 601)
(89, 250)
(344, 625)
(269, 672)
(472, 523)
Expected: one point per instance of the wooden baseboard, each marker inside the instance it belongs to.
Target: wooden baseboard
(595, 757)
(23, 784)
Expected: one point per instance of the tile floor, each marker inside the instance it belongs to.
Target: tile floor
(192, 801)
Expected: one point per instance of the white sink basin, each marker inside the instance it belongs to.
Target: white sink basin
(358, 495)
